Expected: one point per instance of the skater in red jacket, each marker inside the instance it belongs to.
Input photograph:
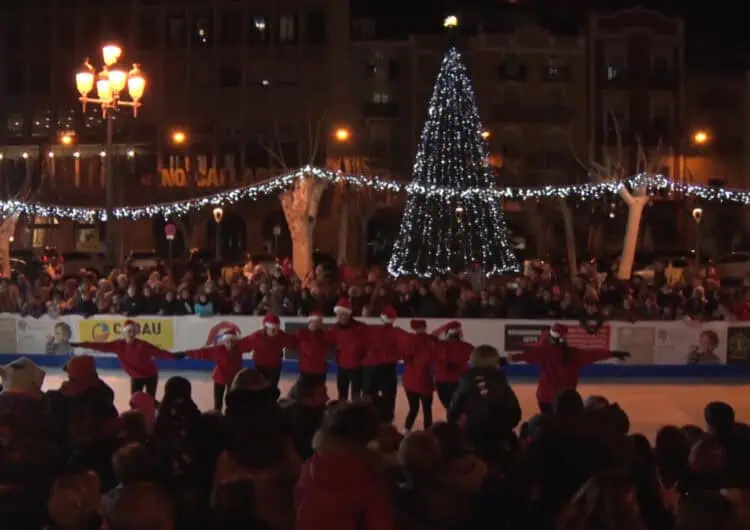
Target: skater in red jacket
(268, 345)
(451, 361)
(379, 367)
(311, 346)
(228, 359)
(136, 357)
(349, 336)
(419, 355)
(560, 364)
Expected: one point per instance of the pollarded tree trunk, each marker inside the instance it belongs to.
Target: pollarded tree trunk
(570, 238)
(636, 203)
(300, 205)
(7, 230)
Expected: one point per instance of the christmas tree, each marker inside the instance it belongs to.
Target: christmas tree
(453, 218)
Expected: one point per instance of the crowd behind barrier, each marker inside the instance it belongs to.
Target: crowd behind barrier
(684, 347)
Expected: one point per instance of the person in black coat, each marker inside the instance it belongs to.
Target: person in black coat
(486, 401)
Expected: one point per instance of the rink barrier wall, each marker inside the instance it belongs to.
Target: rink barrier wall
(658, 349)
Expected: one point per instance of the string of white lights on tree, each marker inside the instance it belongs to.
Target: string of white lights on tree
(443, 231)
(584, 191)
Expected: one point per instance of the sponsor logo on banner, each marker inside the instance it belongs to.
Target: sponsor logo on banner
(683, 342)
(738, 345)
(218, 329)
(520, 336)
(157, 331)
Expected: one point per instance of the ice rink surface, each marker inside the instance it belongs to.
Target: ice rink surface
(649, 404)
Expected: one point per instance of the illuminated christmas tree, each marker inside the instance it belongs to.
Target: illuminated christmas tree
(453, 218)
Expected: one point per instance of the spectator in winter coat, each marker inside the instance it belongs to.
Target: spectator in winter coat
(485, 399)
(340, 487)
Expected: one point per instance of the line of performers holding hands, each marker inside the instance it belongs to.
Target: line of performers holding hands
(367, 357)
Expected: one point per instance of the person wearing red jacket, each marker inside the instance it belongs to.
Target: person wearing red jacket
(560, 364)
(136, 357)
(311, 346)
(268, 345)
(227, 357)
(419, 355)
(349, 336)
(379, 367)
(451, 360)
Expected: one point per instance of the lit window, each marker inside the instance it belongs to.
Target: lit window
(66, 120)
(15, 124)
(41, 123)
(381, 98)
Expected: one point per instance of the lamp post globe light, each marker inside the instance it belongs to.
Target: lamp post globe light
(111, 85)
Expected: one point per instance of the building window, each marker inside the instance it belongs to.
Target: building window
(258, 33)
(15, 125)
(394, 69)
(512, 69)
(44, 231)
(230, 77)
(66, 120)
(41, 123)
(381, 98)
(202, 31)
(148, 32)
(66, 33)
(175, 73)
(316, 27)
(231, 28)
(660, 64)
(287, 29)
(15, 82)
(615, 69)
(14, 37)
(371, 70)
(176, 32)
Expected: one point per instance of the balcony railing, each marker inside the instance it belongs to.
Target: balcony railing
(553, 114)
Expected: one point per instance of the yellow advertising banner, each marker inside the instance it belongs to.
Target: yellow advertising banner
(157, 331)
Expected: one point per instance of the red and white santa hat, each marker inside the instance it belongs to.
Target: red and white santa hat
(343, 307)
(315, 316)
(226, 334)
(453, 329)
(558, 331)
(388, 315)
(418, 325)
(128, 325)
(271, 322)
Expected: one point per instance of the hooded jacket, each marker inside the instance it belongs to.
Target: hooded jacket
(485, 398)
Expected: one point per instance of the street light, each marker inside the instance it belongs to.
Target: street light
(110, 84)
(218, 216)
(67, 139)
(342, 134)
(701, 137)
(486, 134)
(179, 137)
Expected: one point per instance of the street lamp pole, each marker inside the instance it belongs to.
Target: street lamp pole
(109, 191)
(698, 217)
(110, 83)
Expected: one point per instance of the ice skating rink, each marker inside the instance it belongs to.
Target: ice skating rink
(649, 404)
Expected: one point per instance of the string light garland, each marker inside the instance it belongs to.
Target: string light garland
(585, 191)
(448, 224)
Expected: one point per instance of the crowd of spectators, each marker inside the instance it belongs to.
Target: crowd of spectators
(541, 293)
(69, 460)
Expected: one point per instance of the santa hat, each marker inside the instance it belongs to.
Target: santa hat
(129, 324)
(22, 375)
(225, 334)
(453, 329)
(558, 331)
(343, 307)
(315, 316)
(418, 325)
(388, 315)
(271, 322)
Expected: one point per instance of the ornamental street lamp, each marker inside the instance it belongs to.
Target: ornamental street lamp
(110, 83)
